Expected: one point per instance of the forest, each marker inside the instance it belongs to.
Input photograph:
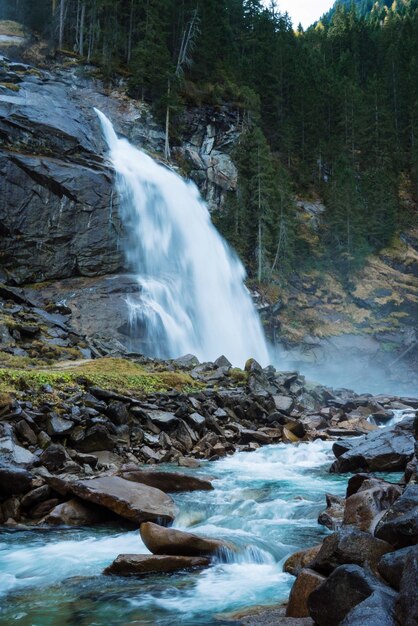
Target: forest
(330, 112)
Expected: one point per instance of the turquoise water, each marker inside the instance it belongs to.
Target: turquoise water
(265, 502)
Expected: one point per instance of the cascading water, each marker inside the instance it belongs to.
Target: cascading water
(193, 298)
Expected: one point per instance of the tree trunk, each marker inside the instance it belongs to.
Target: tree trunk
(81, 37)
(167, 123)
(61, 25)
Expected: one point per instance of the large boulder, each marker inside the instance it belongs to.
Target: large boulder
(132, 501)
(347, 587)
(364, 508)
(386, 450)
(377, 610)
(349, 545)
(142, 564)
(170, 482)
(392, 564)
(306, 582)
(399, 526)
(161, 540)
(76, 513)
(333, 515)
(407, 602)
(300, 560)
(14, 480)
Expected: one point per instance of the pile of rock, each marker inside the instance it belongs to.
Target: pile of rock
(367, 571)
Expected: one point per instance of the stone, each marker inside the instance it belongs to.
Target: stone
(399, 525)
(187, 361)
(332, 517)
(306, 582)
(391, 565)
(407, 602)
(384, 450)
(142, 564)
(349, 545)
(163, 419)
(10, 452)
(377, 610)
(364, 508)
(14, 480)
(54, 457)
(43, 508)
(161, 540)
(117, 412)
(94, 439)
(196, 420)
(34, 497)
(346, 587)
(283, 403)
(169, 482)
(59, 426)
(76, 513)
(300, 560)
(133, 501)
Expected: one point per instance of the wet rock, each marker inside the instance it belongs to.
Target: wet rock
(364, 508)
(10, 509)
(271, 616)
(407, 602)
(349, 546)
(306, 582)
(117, 412)
(76, 513)
(14, 480)
(169, 482)
(283, 403)
(59, 426)
(188, 361)
(133, 501)
(34, 497)
(377, 610)
(347, 587)
(43, 508)
(163, 419)
(10, 451)
(385, 450)
(54, 457)
(399, 525)
(161, 540)
(301, 559)
(94, 439)
(141, 564)
(391, 565)
(332, 517)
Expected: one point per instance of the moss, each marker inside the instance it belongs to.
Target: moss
(238, 376)
(118, 375)
(13, 29)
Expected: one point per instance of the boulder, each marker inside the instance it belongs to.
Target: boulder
(54, 457)
(364, 508)
(141, 564)
(347, 587)
(333, 515)
(76, 513)
(94, 439)
(384, 450)
(349, 546)
(399, 525)
(377, 610)
(117, 412)
(161, 540)
(14, 480)
(133, 501)
(10, 451)
(34, 497)
(58, 426)
(391, 565)
(169, 482)
(301, 559)
(283, 403)
(306, 582)
(407, 602)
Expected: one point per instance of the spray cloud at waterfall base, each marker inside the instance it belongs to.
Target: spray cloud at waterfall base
(193, 298)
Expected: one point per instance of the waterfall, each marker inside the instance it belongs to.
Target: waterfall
(192, 293)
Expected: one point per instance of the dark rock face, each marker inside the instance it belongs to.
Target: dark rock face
(364, 508)
(346, 588)
(76, 513)
(349, 545)
(306, 582)
(407, 602)
(377, 610)
(391, 565)
(399, 526)
(14, 480)
(387, 450)
(141, 564)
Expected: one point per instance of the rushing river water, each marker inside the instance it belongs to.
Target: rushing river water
(266, 502)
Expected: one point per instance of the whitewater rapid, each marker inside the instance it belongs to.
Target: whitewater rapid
(193, 298)
(265, 502)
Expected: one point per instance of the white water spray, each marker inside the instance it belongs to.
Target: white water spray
(193, 298)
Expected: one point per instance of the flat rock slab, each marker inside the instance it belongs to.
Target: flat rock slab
(161, 540)
(142, 564)
(133, 501)
(170, 482)
(386, 450)
(264, 616)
